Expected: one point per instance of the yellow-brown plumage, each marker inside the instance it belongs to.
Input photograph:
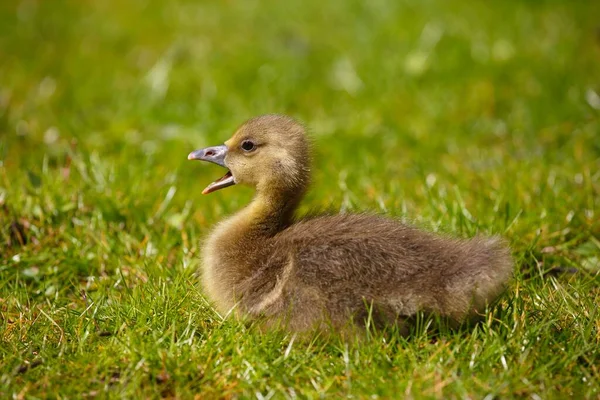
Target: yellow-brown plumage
(326, 271)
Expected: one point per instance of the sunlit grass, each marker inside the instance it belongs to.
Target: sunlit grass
(459, 117)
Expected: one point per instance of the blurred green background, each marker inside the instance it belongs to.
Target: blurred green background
(462, 117)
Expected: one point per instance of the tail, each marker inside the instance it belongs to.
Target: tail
(482, 275)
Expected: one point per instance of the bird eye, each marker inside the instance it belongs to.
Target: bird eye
(248, 145)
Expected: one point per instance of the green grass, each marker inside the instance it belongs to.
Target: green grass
(463, 117)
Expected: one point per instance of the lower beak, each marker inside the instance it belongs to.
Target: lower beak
(215, 154)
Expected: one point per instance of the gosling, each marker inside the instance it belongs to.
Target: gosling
(330, 272)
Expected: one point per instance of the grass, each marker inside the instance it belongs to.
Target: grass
(462, 117)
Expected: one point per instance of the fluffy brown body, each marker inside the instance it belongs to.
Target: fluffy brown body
(330, 272)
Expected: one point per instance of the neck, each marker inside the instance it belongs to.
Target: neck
(271, 211)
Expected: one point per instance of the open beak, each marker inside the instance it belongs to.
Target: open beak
(215, 154)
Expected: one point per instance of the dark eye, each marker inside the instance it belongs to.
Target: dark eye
(248, 145)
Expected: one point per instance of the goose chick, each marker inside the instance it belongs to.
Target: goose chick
(325, 271)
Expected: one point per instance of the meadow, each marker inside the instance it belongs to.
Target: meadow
(461, 117)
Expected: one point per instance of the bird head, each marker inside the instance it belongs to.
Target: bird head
(268, 153)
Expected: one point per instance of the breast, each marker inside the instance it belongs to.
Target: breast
(218, 276)
(231, 256)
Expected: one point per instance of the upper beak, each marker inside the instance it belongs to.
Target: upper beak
(215, 154)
